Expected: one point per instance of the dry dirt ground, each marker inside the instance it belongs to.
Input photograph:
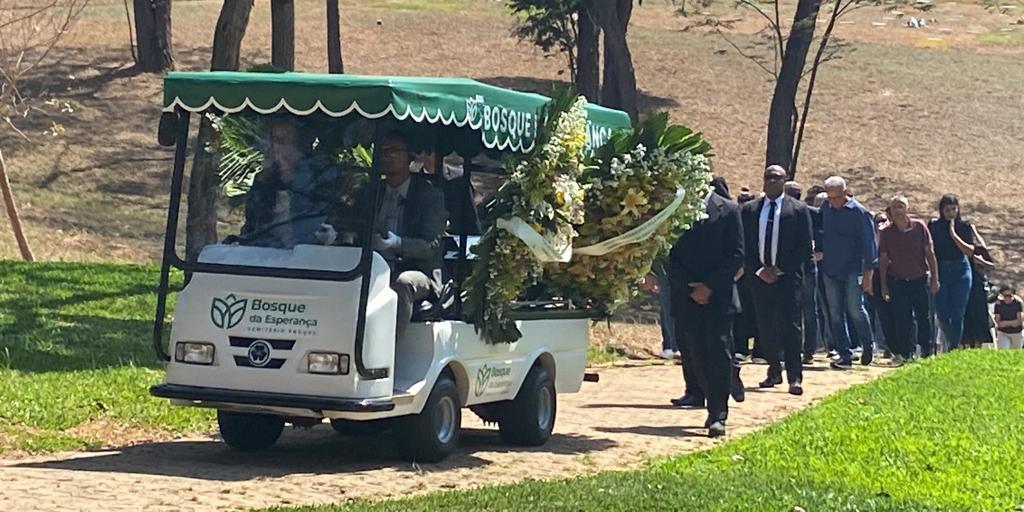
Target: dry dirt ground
(922, 111)
(616, 423)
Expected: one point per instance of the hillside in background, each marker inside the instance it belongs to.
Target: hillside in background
(918, 111)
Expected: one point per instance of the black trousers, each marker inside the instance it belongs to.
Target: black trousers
(705, 342)
(744, 326)
(910, 308)
(778, 311)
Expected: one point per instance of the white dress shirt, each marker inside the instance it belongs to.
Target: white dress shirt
(763, 225)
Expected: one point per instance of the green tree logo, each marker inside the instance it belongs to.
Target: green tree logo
(483, 377)
(227, 312)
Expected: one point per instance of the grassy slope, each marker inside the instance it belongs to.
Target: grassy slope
(942, 435)
(75, 349)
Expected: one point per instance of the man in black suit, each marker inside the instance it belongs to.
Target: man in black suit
(778, 237)
(701, 269)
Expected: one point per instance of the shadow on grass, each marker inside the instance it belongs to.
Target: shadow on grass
(319, 451)
(59, 317)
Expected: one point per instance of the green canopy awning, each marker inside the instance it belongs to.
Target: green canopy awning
(507, 120)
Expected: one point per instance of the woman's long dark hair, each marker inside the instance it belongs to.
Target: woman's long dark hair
(947, 200)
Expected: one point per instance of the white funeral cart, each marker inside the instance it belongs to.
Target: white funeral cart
(270, 336)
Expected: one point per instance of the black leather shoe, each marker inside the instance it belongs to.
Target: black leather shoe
(716, 429)
(808, 359)
(770, 382)
(795, 388)
(738, 393)
(866, 356)
(688, 401)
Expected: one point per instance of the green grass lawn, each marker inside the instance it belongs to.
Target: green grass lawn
(946, 434)
(75, 347)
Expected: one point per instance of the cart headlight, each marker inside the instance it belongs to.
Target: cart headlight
(193, 353)
(327, 362)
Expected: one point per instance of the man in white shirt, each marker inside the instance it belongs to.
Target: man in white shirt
(777, 228)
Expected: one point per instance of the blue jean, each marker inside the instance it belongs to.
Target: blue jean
(951, 301)
(809, 302)
(824, 320)
(668, 325)
(846, 302)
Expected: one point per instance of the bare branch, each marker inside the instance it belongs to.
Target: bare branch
(753, 58)
(53, 3)
(10, 123)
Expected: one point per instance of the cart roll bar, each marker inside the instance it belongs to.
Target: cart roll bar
(171, 259)
(171, 234)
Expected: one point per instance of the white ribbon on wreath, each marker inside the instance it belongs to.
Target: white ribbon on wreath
(546, 252)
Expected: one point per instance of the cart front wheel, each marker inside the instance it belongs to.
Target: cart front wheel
(529, 419)
(433, 434)
(249, 432)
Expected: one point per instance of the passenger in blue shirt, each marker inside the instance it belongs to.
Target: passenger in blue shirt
(849, 254)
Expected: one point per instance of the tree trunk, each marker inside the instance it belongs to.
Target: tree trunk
(335, 63)
(836, 12)
(783, 114)
(153, 32)
(588, 64)
(203, 190)
(282, 21)
(619, 90)
(12, 212)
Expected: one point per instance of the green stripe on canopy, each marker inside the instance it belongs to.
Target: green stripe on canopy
(507, 120)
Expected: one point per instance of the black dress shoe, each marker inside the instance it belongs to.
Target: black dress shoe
(795, 388)
(866, 356)
(770, 382)
(808, 359)
(688, 401)
(716, 429)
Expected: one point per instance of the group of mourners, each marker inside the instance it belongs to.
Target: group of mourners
(800, 274)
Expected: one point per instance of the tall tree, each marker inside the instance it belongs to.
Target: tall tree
(619, 87)
(153, 33)
(783, 116)
(201, 222)
(588, 65)
(335, 62)
(788, 68)
(282, 20)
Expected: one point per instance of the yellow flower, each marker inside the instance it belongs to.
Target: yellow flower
(632, 202)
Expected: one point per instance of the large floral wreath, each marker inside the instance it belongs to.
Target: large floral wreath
(541, 197)
(591, 229)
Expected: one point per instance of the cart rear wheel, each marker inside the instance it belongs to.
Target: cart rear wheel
(529, 419)
(248, 432)
(433, 434)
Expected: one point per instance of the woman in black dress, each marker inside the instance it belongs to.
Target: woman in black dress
(977, 329)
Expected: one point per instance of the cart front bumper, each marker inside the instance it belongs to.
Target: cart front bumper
(234, 396)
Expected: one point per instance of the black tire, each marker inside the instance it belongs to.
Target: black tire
(358, 428)
(249, 432)
(529, 419)
(433, 434)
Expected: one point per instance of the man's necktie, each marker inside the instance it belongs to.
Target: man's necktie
(769, 229)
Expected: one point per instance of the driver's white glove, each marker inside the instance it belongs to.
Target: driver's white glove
(391, 242)
(326, 234)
